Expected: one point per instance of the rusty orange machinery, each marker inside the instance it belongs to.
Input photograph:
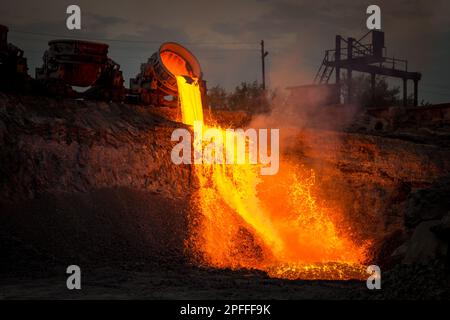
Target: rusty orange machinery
(85, 64)
(157, 81)
(13, 65)
(82, 69)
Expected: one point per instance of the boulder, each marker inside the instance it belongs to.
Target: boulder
(425, 247)
(429, 203)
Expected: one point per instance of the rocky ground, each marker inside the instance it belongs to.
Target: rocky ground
(176, 280)
(91, 183)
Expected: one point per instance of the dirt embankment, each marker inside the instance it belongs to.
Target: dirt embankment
(89, 181)
(53, 146)
(92, 183)
(94, 180)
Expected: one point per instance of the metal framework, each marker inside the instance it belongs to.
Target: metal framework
(353, 55)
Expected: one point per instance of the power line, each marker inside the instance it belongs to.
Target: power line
(199, 43)
(190, 43)
(126, 45)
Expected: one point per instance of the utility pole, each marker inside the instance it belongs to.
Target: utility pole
(263, 57)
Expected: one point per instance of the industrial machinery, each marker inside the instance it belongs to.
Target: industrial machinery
(13, 65)
(358, 55)
(85, 64)
(157, 80)
(82, 69)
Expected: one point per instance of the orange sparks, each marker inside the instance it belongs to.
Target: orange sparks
(271, 223)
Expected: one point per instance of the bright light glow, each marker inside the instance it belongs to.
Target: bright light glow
(271, 223)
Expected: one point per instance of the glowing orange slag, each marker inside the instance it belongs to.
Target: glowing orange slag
(189, 94)
(176, 64)
(270, 223)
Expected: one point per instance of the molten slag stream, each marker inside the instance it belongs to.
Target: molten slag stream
(270, 223)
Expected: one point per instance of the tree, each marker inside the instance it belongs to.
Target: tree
(218, 98)
(249, 97)
(382, 95)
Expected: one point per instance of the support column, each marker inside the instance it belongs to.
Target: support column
(337, 59)
(405, 92)
(349, 70)
(416, 92)
(372, 76)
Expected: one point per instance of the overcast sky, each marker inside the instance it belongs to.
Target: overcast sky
(225, 35)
